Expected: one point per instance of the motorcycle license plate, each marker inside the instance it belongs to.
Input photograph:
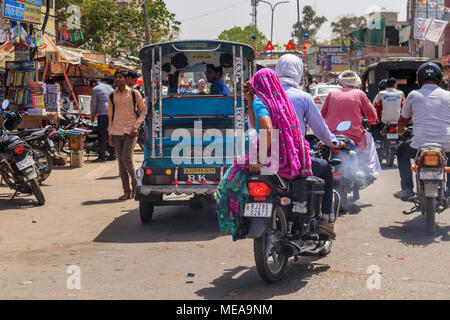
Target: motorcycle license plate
(258, 210)
(432, 174)
(392, 135)
(25, 163)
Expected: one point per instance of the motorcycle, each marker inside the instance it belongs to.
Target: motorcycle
(43, 151)
(430, 168)
(387, 146)
(282, 217)
(349, 176)
(17, 166)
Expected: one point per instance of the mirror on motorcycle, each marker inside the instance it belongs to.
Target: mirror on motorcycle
(344, 126)
(5, 104)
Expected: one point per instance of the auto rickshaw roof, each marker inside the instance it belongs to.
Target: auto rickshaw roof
(197, 46)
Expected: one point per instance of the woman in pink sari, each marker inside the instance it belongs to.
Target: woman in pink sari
(294, 154)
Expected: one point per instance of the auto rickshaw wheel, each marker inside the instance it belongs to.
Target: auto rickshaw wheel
(146, 211)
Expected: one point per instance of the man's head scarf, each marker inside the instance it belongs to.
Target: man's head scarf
(350, 79)
(294, 153)
(290, 70)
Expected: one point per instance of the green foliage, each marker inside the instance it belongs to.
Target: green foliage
(237, 34)
(344, 25)
(118, 30)
(310, 24)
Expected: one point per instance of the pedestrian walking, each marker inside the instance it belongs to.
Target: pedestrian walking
(99, 109)
(126, 112)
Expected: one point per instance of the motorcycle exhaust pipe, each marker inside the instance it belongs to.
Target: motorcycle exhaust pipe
(291, 249)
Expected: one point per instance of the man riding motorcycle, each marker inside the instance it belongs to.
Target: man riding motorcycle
(388, 104)
(429, 110)
(290, 71)
(349, 104)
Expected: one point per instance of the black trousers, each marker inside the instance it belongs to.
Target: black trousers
(103, 146)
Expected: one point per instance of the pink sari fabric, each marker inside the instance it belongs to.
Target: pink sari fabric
(294, 152)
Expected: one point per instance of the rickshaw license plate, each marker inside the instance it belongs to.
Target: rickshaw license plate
(25, 163)
(432, 174)
(199, 171)
(258, 210)
(392, 136)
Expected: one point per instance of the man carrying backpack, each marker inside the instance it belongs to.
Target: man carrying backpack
(126, 112)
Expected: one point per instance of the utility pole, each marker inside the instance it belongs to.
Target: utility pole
(254, 14)
(148, 39)
(412, 40)
(272, 7)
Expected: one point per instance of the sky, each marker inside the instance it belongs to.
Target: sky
(206, 19)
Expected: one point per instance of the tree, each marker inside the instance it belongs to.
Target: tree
(237, 34)
(310, 24)
(344, 25)
(118, 30)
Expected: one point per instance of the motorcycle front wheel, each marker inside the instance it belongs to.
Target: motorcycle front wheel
(430, 214)
(44, 162)
(270, 262)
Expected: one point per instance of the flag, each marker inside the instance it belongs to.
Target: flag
(436, 30)
(344, 47)
(421, 27)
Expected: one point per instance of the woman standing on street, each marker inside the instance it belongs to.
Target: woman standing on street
(269, 109)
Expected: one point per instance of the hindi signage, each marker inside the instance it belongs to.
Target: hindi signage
(335, 53)
(28, 11)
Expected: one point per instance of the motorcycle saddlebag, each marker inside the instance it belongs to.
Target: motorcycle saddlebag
(311, 191)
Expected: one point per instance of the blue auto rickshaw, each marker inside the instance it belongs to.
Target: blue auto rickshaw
(192, 137)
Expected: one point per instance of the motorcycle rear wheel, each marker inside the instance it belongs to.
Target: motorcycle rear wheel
(264, 249)
(430, 214)
(37, 192)
(390, 158)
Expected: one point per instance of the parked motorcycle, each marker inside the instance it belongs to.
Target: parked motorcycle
(430, 168)
(17, 166)
(43, 151)
(387, 146)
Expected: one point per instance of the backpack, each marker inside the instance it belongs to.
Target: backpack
(111, 98)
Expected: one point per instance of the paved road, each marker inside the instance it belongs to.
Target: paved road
(83, 225)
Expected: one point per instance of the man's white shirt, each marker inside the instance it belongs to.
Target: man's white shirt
(429, 108)
(391, 99)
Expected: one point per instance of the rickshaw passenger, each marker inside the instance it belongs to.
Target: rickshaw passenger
(214, 76)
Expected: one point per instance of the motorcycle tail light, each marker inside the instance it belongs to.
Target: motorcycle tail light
(431, 159)
(148, 172)
(392, 129)
(259, 189)
(337, 174)
(19, 150)
(317, 100)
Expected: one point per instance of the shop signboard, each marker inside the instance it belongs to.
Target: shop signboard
(28, 11)
(335, 52)
(445, 61)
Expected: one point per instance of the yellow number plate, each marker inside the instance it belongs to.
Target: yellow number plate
(200, 171)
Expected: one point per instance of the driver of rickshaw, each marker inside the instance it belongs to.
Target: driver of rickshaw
(214, 76)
